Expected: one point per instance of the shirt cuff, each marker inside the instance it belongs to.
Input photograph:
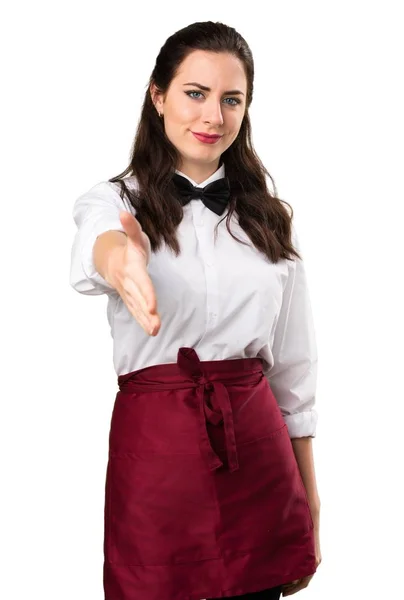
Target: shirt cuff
(302, 424)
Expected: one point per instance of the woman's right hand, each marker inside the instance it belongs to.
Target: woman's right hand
(128, 269)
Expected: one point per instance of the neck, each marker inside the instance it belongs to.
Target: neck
(199, 173)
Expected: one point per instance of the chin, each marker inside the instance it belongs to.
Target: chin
(204, 156)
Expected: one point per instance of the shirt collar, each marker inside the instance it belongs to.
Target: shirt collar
(216, 175)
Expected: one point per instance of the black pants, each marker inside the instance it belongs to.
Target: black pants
(271, 594)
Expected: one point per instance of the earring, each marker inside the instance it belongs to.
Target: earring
(160, 114)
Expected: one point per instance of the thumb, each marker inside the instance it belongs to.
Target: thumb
(131, 226)
(135, 233)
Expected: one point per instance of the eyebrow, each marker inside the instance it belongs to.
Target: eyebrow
(208, 89)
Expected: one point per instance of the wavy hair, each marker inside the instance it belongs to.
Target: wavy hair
(262, 215)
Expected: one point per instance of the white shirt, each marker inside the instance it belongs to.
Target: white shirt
(225, 299)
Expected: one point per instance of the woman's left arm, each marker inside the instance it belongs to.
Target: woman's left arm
(303, 450)
(293, 376)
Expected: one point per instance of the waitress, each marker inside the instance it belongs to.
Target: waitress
(210, 487)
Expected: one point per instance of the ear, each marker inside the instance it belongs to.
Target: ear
(156, 98)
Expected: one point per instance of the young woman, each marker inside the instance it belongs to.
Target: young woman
(210, 485)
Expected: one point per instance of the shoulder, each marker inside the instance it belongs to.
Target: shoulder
(129, 183)
(108, 194)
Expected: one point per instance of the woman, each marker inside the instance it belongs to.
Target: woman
(214, 346)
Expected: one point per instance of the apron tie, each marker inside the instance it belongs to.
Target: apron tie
(214, 407)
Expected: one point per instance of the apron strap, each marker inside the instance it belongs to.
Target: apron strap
(221, 410)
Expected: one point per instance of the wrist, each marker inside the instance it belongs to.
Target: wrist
(314, 501)
(315, 512)
(114, 263)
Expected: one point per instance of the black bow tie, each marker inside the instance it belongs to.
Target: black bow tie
(215, 195)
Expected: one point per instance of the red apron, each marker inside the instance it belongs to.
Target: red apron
(203, 495)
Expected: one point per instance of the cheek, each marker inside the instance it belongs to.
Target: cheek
(236, 127)
(184, 112)
(233, 134)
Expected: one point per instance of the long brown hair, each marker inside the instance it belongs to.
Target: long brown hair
(262, 215)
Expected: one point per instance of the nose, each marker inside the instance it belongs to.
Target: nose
(213, 113)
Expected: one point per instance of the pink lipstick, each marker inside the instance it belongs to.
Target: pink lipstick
(205, 138)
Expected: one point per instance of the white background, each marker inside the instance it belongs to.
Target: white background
(327, 120)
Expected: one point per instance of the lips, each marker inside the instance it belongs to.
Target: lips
(208, 135)
(207, 139)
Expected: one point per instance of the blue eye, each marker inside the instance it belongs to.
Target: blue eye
(236, 100)
(189, 93)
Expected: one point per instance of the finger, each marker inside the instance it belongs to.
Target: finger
(149, 295)
(150, 326)
(145, 323)
(291, 583)
(147, 292)
(286, 591)
(148, 322)
(292, 588)
(137, 306)
(295, 589)
(138, 315)
(289, 591)
(142, 292)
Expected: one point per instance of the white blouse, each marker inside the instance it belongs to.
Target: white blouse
(224, 299)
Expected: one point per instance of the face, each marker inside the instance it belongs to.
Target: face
(189, 108)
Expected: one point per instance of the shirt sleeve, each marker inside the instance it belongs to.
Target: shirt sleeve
(293, 375)
(94, 212)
